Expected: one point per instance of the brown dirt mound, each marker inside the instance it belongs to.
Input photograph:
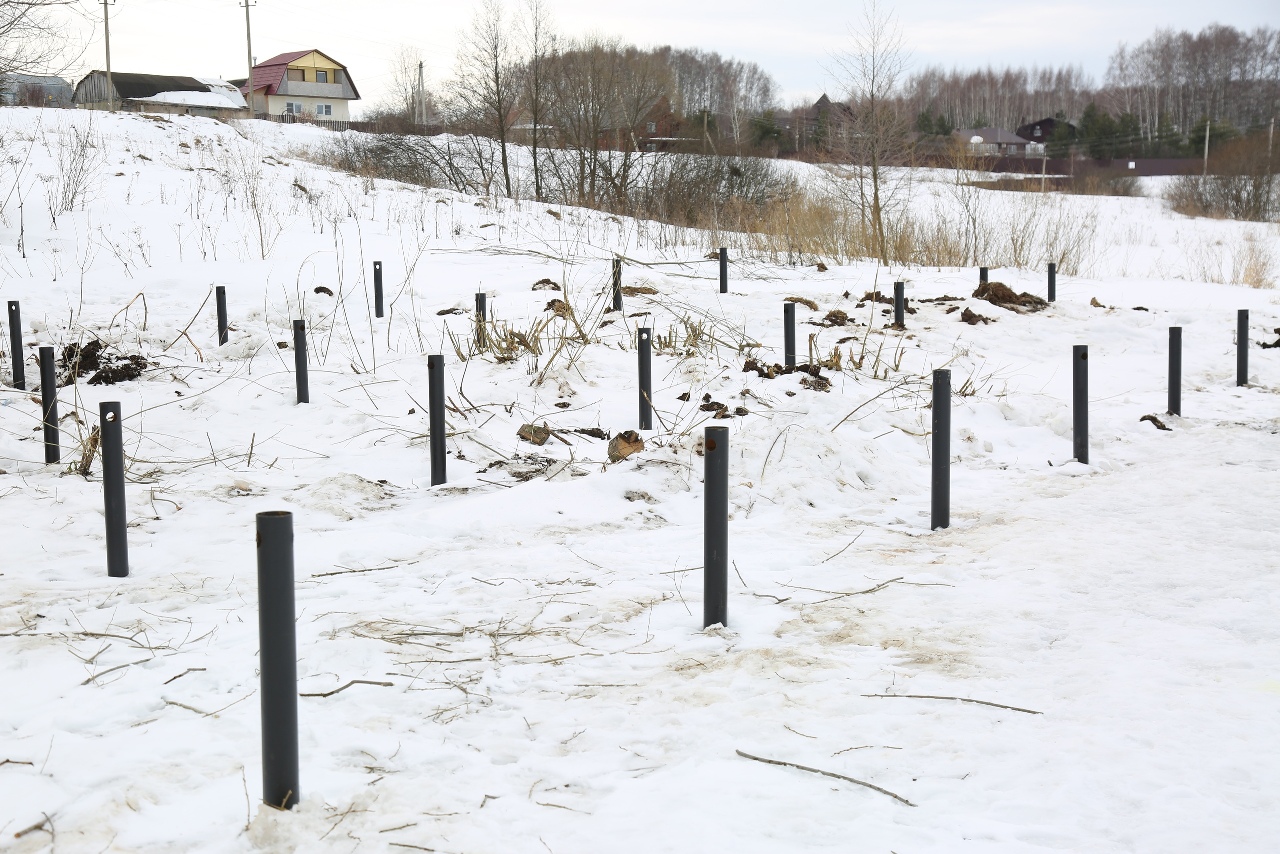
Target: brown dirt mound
(105, 368)
(122, 369)
(973, 318)
(998, 293)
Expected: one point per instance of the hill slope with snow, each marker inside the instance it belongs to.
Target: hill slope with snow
(525, 642)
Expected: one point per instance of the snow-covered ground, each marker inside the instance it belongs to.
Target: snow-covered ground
(535, 623)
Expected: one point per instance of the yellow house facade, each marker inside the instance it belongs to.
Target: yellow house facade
(308, 84)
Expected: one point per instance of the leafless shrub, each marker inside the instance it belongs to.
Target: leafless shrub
(1241, 184)
(239, 169)
(78, 155)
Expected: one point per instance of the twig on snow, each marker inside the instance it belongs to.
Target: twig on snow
(961, 699)
(348, 685)
(826, 774)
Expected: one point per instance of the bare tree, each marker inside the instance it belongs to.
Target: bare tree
(540, 45)
(34, 36)
(486, 84)
(877, 137)
(403, 96)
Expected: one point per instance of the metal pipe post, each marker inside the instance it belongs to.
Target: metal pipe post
(1242, 347)
(49, 405)
(1175, 370)
(644, 347)
(1080, 402)
(482, 317)
(278, 660)
(220, 298)
(617, 284)
(435, 413)
(15, 346)
(1053, 281)
(377, 289)
(789, 334)
(715, 532)
(900, 304)
(112, 437)
(724, 270)
(982, 275)
(940, 506)
(300, 360)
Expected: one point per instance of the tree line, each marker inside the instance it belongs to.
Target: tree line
(1159, 97)
(585, 108)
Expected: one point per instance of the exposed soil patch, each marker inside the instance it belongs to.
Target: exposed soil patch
(1265, 346)
(807, 303)
(998, 293)
(973, 318)
(103, 367)
(637, 290)
(80, 359)
(1156, 422)
(944, 299)
(560, 308)
(120, 370)
(593, 432)
(545, 284)
(815, 383)
(876, 296)
(768, 372)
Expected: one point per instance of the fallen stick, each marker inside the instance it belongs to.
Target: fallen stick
(826, 774)
(961, 699)
(39, 825)
(114, 669)
(348, 685)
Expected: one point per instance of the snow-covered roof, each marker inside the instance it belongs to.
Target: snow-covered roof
(220, 95)
(215, 99)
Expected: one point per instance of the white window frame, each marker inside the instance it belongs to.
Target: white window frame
(294, 108)
(324, 111)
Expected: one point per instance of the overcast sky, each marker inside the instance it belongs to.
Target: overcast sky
(793, 39)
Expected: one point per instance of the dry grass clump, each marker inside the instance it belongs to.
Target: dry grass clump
(1241, 184)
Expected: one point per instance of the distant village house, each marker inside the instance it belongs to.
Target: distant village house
(992, 142)
(307, 84)
(34, 90)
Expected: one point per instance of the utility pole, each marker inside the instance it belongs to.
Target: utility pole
(1207, 125)
(420, 116)
(106, 34)
(248, 44)
(1271, 137)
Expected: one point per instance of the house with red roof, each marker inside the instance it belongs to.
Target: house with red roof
(307, 84)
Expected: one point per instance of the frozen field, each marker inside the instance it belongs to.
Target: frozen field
(534, 626)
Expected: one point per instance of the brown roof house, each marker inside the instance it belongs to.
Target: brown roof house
(307, 84)
(990, 141)
(159, 93)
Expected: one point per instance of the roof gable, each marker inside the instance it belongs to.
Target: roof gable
(270, 73)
